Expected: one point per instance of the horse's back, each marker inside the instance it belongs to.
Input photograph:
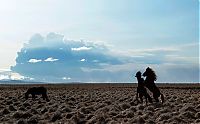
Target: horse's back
(37, 90)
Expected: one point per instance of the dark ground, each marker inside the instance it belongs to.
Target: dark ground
(99, 103)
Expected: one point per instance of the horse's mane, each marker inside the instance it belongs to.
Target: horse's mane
(152, 74)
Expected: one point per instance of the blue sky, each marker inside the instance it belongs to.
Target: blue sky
(126, 36)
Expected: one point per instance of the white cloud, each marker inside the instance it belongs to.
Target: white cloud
(34, 60)
(2, 70)
(151, 51)
(81, 48)
(50, 59)
(82, 60)
(66, 78)
(176, 59)
(32, 79)
(4, 77)
(193, 44)
(9, 75)
(95, 61)
(16, 76)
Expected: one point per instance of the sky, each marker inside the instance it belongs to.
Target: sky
(99, 40)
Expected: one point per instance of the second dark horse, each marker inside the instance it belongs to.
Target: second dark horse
(150, 84)
(37, 91)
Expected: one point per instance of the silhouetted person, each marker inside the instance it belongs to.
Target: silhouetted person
(150, 84)
(37, 91)
(141, 90)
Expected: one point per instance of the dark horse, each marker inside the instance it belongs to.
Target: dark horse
(37, 91)
(141, 90)
(149, 83)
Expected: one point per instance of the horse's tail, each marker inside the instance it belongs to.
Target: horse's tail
(162, 97)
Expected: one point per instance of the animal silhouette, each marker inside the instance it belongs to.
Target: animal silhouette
(37, 91)
(150, 84)
(141, 90)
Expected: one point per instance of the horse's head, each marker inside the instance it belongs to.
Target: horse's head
(138, 74)
(150, 74)
(146, 73)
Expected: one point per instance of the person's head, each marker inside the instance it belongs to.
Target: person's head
(138, 74)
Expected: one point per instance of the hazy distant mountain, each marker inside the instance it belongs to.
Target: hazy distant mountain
(18, 82)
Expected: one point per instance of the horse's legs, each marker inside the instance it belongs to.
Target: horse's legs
(44, 96)
(155, 96)
(26, 96)
(33, 96)
(162, 97)
(136, 96)
(149, 98)
(146, 98)
(141, 97)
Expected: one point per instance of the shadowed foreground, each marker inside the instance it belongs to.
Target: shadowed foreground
(99, 103)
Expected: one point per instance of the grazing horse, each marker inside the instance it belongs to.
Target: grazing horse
(37, 91)
(141, 90)
(150, 84)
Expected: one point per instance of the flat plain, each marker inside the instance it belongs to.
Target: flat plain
(99, 103)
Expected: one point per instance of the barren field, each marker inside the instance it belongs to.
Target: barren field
(99, 103)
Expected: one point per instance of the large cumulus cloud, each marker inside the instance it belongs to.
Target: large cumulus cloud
(52, 58)
(55, 59)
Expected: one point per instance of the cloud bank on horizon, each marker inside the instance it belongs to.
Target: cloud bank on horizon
(55, 59)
